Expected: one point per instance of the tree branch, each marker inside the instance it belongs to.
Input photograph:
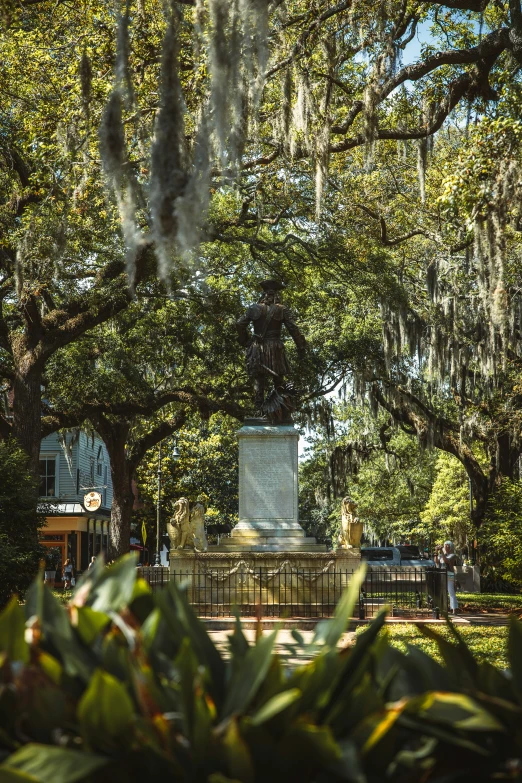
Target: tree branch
(461, 5)
(299, 45)
(163, 430)
(184, 395)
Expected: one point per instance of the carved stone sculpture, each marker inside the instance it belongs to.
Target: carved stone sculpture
(197, 528)
(187, 528)
(178, 528)
(351, 528)
(265, 352)
(173, 532)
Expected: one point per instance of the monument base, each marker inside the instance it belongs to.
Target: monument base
(275, 584)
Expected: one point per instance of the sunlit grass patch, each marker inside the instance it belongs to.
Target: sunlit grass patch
(487, 643)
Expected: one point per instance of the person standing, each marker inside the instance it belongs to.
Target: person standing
(447, 559)
(68, 573)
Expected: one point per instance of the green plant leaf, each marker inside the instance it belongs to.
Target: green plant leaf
(456, 709)
(237, 641)
(106, 712)
(275, 705)
(182, 622)
(238, 756)
(319, 742)
(149, 629)
(249, 675)
(381, 726)
(14, 776)
(329, 632)
(113, 587)
(45, 763)
(58, 632)
(355, 663)
(90, 623)
(12, 630)
(456, 657)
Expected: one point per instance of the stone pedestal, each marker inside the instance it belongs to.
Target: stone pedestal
(267, 564)
(275, 584)
(268, 492)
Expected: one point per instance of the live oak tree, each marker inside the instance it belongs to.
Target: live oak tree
(373, 462)
(330, 102)
(62, 264)
(307, 130)
(140, 377)
(207, 466)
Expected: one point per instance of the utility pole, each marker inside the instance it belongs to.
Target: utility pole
(175, 457)
(157, 556)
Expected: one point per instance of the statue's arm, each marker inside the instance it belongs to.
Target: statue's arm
(295, 333)
(243, 332)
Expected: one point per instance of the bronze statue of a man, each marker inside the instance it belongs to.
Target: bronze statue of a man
(265, 351)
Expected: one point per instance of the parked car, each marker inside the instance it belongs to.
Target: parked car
(395, 556)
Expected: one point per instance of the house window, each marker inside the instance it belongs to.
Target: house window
(105, 486)
(48, 477)
(99, 469)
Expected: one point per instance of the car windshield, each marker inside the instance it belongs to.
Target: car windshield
(377, 554)
(410, 552)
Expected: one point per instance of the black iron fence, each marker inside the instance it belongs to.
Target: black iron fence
(291, 592)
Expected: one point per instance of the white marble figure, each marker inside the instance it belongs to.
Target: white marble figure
(197, 528)
(187, 528)
(179, 526)
(351, 528)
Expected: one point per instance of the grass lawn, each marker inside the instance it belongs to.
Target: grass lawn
(64, 596)
(490, 602)
(487, 643)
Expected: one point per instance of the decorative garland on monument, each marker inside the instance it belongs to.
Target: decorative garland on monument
(243, 567)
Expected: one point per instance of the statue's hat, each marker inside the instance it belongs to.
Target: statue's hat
(272, 285)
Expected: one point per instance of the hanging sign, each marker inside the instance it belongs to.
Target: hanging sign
(92, 501)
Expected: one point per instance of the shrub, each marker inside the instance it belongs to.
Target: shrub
(124, 685)
(20, 551)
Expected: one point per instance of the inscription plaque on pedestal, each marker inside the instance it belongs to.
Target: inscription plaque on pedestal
(268, 477)
(268, 492)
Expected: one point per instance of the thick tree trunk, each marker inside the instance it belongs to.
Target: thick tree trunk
(27, 412)
(121, 515)
(481, 494)
(115, 435)
(122, 500)
(26, 428)
(507, 456)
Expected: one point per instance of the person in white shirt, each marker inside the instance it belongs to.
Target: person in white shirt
(447, 559)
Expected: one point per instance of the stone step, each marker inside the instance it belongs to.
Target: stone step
(268, 528)
(272, 545)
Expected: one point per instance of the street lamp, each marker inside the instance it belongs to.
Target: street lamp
(175, 457)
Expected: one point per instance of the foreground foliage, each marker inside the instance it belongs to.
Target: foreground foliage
(124, 685)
